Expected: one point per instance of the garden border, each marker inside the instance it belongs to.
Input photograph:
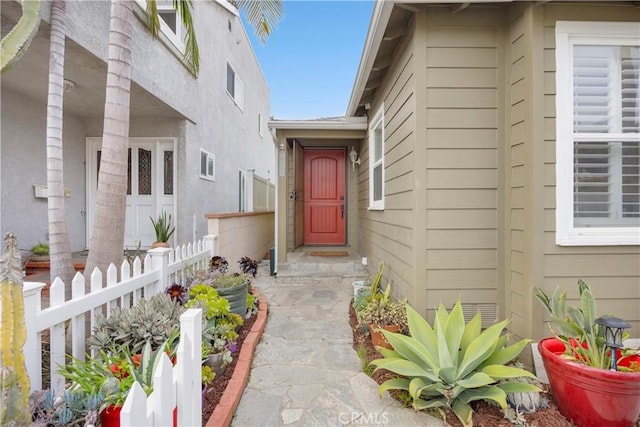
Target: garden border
(224, 411)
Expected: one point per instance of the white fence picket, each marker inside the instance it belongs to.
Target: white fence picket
(91, 300)
(78, 322)
(134, 411)
(176, 386)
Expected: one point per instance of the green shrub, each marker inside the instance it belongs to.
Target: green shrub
(453, 363)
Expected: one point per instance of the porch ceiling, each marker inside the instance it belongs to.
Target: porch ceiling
(29, 77)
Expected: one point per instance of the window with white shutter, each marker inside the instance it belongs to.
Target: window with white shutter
(598, 133)
(376, 161)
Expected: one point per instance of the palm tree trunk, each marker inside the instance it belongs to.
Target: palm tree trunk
(107, 237)
(59, 246)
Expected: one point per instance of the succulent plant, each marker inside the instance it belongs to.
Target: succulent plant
(68, 408)
(452, 363)
(383, 311)
(14, 380)
(153, 321)
(218, 263)
(248, 266)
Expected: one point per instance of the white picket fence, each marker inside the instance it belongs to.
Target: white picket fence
(183, 380)
(162, 267)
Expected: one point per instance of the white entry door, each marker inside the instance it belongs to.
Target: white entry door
(150, 187)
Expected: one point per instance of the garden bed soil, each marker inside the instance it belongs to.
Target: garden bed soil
(216, 390)
(485, 414)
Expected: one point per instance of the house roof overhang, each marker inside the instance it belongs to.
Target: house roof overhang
(339, 130)
(387, 25)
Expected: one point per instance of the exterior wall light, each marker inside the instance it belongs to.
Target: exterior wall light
(353, 155)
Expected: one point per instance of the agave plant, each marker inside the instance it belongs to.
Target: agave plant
(452, 363)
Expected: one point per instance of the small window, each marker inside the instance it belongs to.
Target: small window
(376, 161)
(235, 87)
(598, 133)
(170, 23)
(207, 165)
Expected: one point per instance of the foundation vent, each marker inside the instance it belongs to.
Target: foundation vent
(489, 313)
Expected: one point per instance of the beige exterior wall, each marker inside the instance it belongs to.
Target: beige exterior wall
(463, 68)
(613, 272)
(242, 234)
(531, 257)
(389, 235)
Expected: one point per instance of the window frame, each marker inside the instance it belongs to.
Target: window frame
(238, 87)
(211, 162)
(376, 123)
(176, 38)
(568, 34)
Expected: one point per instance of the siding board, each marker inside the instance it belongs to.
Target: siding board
(462, 77)
(461, 57)
(462, 138)
(448, 219)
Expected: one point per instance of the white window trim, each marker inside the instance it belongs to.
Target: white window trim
(175, 39)
(238, 87)
(378, 120)
(601, 33)
(210, 158)
(260, 124)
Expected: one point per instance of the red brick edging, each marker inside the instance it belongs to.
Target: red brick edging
(225, 409)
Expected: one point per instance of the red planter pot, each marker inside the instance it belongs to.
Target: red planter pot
(110, 416)
(590, 397)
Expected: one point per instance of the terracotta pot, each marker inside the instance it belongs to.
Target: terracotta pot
(110, 416)
(160, 245)
(378, 339)
(590, 397)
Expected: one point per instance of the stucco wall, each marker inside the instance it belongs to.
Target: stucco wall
(206, 117)
(24, 165)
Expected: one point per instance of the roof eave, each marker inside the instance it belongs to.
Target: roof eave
(377, 26)
(348, 123)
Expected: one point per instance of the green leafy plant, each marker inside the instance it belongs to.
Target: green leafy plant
(204, 296)
(576, 326)
(40, 249)
(229, 280)
(252, 304)
(163, 226)
(113, 375)
(208, 375)
(384, 311)
(452, 363)
(150, 321)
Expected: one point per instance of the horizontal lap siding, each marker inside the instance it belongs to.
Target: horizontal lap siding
(462, 54)
(388, 235)
(518, 192)
(613, 272)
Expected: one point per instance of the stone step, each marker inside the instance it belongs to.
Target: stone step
(344, 269)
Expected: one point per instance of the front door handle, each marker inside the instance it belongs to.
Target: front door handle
(341, 211)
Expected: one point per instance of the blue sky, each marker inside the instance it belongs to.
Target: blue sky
(311, 59)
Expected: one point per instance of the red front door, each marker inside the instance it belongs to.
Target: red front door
(324, 204)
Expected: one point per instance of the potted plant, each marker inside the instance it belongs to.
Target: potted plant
(40, 252)
(362, 285)
(112, 376)
(381, 312)
(578, 360)
(164, 229)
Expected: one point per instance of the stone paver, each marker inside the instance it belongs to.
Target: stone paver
(304, 371)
